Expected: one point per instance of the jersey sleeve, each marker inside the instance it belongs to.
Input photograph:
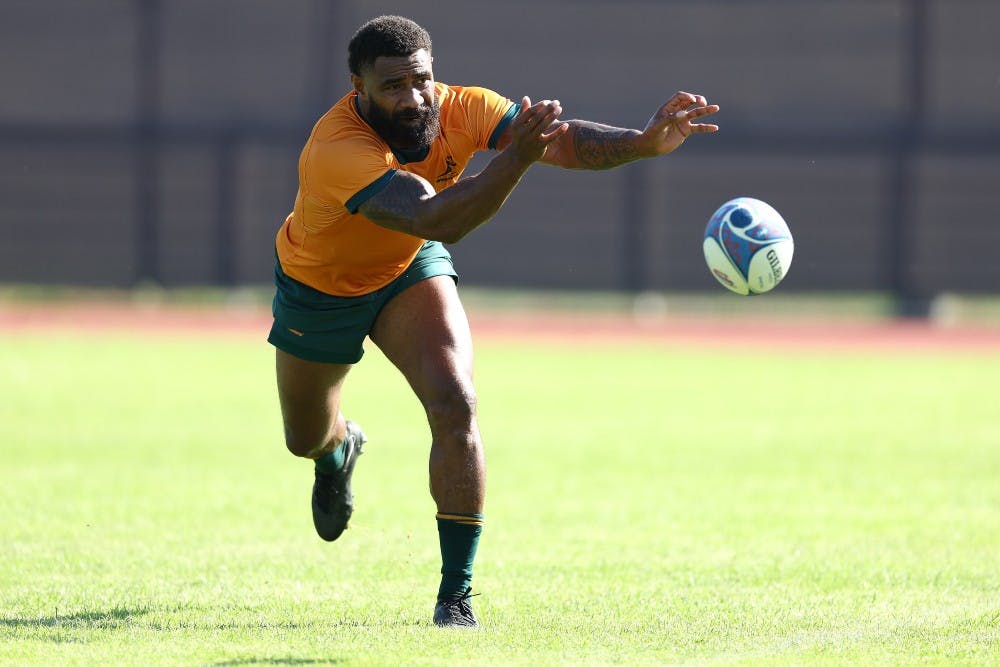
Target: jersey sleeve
(348, 171)
(488, 114)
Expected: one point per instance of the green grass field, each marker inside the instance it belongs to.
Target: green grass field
(648, 505)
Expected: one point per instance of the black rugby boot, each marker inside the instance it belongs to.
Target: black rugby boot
(455, 612)
(332, 500)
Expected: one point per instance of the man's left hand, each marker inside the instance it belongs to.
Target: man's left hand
(672, 124)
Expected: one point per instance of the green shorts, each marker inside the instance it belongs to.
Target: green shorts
(316, 326)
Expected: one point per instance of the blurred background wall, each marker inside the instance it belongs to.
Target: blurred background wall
(155, 141)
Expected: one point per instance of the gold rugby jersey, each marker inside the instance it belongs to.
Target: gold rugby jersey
(325, 243)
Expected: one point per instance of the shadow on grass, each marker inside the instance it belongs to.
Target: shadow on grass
(55, 627)
(86, 620)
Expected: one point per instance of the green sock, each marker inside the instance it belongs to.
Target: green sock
(459, 537)
(332, 461)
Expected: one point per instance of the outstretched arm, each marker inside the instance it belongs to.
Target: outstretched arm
(588, 145)
(409, 203)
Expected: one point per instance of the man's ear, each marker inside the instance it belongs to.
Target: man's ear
(359, 85)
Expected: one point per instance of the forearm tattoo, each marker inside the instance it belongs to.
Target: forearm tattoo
(602, 146)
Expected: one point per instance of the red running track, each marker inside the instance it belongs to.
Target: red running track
(102, 317)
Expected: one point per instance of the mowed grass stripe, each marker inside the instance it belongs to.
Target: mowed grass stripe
(647, 505)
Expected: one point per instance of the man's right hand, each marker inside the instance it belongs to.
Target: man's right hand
(528, 137)
(409, 203)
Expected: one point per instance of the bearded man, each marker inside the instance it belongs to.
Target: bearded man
(361, 255)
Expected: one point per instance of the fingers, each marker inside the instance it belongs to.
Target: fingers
(547, 116)
(682, 100)
(681, 110)
(703, 128)
(697, 112)
(534, 128)
(562, 129)
(535, 119)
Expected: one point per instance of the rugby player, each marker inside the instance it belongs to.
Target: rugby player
(362, 255)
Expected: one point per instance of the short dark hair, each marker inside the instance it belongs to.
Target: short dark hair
(391, 36)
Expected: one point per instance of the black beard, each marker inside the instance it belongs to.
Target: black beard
(401, 135)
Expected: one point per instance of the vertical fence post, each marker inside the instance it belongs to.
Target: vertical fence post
(225, 211)
(326, 57)
(635, 211)
(146, 147)
(909, 300)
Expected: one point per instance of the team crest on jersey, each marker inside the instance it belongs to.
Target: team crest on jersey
(448, 173)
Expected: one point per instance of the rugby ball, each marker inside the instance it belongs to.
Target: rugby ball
(748, 247)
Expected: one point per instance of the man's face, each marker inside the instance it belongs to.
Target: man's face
(396, 96)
